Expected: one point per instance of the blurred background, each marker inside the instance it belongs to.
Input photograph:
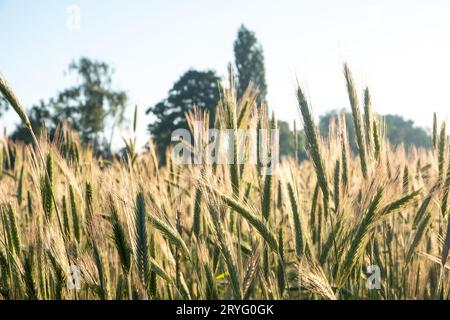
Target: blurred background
(93, 61)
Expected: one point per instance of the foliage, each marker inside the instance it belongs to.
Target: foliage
(90, 107)
(40, 118)
(194, 88)
(397, 130)
(249, 61)
(287, 145)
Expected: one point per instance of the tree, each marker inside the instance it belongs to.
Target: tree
(40, 118)
(398, 130)
(286, 140)
(194, 88)
(249, 60)
(87, 107)
(324, 123)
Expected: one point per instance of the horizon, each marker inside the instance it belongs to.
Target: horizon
(144, 50)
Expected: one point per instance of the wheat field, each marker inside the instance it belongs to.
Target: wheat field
(317, 229)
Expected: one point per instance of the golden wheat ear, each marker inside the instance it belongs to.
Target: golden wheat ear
(8, 93)
(10, 96)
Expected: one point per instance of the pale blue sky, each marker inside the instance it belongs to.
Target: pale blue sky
(401, 49)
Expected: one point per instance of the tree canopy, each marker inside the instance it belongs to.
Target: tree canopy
(287, 146)
(40, 118)
(89, 107)
(398, 130)
(249, 60)
(194, 88)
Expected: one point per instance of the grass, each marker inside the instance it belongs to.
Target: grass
(139, 231)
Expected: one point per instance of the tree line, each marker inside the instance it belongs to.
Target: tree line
(95, 109)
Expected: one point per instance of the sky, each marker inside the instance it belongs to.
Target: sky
(399, 49)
